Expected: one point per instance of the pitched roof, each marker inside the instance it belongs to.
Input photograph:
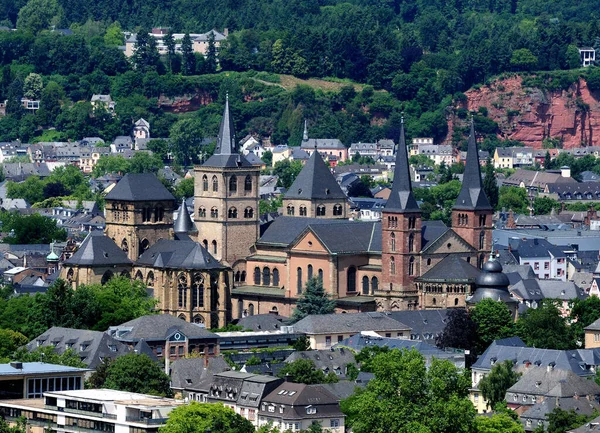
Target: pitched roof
(554, 383)
(351, 237)
(140, 187)
(334, 360)
(178, 254)
(315, 181)
(472, 195)
(189, 372)
(98, 250)
(183, 223)
(347, 323)
(226, 154)
(157, 327)
(425, 325)
(451, 268)
(262, 322)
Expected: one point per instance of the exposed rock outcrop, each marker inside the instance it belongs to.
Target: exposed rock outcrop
(531, 114)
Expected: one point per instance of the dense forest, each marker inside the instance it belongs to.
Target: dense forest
(415, 57)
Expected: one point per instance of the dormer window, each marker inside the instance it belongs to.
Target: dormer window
(311, 410)
(271, 408)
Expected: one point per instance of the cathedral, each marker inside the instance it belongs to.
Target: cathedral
(218, 266)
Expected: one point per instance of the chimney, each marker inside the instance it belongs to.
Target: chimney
(226, 31)
(510, 223)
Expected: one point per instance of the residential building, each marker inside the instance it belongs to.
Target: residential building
(200, 41)
(588, 56)
(513, 157)
(25, 380)
(537, 181)
(546, 260)
(104, 410)
(103, 102)
(336, 361)
(325, 330)
(188, 373)
(367, 209)
(327, 147)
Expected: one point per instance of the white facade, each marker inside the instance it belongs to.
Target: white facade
(547, 268)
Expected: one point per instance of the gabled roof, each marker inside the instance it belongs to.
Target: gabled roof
(315, 181)
(140, 187)
(157, 327)
(187, 373)
(98, 250)
(351, 237)
(178, 254)
(401, 198)
(451, 268)
(334, 361)
(472, 195)
(226, 154)
(425, 325)
(348, 323)
(554, 383)
(444, 235)
(262, 322)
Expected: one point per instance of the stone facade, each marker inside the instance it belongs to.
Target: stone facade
(316, 208)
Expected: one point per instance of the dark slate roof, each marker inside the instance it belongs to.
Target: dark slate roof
(284, 230)
(91, 346)
(262, 322)
(180, 254)
(554, 383)
(157, 327)
(430, 231)
(347, 323)
(527, 290)
(342, 389)
(425, 325)
(189, 372)
(472, 195)
(304, 395)
(140, 187)
(351, 237)
(451, 268)
(590, 427)
(226, 154)
(98, 250)
(539, 412)
(401, 198)
(334, 360)
(315, 181)
(183, 223)
(531, 248)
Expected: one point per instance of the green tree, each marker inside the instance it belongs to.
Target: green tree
(314, 300)
(494, 385)
(114, 35)
(20, 426)
(51, 102)
(267, 158)
(32, 86)
(47, 354)
(33, 229)
(32, 189)
(187, 52)
(10, 341)
(572, 57)
(39, 15)
(512, 197)
(545, 327)
(185, 188)
(186, 138)
(544, 205)
(367, 356)
(584, 312)
(211, 54)
(493, 321)
(170, 44)
(547, 160)
(490, 185)
(138, 373)
(305, 371)
(498, 423)
(560, 421)
(405, 396)
(287, 171)
(523, 60)
(98, 377)
(203, 417)
(111, 164)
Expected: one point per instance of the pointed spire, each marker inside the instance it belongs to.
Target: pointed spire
(305, 134)
(401, 198)
(183, 223)
(226, 138)
(472, 196)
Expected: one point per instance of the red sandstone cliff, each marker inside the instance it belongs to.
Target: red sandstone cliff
(536, 114)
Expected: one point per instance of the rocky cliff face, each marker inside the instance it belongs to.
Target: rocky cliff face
(530, 114)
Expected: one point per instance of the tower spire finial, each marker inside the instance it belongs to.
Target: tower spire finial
(305, 133)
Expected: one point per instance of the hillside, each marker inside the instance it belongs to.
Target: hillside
(531, 114)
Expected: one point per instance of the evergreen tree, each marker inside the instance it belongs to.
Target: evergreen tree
(489, 184)
(314, 300)
(189, 60)
(211, 54)
(547, 160)
(494, 385)
(146, 55)
(170, 44)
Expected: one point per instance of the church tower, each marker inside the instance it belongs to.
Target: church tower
(401, 235)
(472, 212)
(226, 199)
(139, 212)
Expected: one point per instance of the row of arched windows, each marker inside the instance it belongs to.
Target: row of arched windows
(197, 291)
(266, 277)
(231, 213)
(463, 219)
(240, 277)
(321, 210)
(411, 242)
(374, 285)
(309, 275)
(213, 245)
(411, 265)
(233, 183)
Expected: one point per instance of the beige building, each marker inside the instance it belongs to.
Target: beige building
(592, 335)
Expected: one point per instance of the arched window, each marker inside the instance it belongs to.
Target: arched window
(144, 245)
(204, 183)
(321, 210)
(365, 285)
(251, 309)
(214, 247)
(139, 276)
(248, 184)
(480, 260)
(482, 220)
(214, 213)
(232, 213)
(374, 284)
(266, 276)
(412, 222)
(310, 272)
(411, 242)
(337, 210)
(236, 278)
(434, 301)
(202, 212)
(198, 319)
(351, 275)
(482, 240)
(393, 236)
(159, 214)
(299, 280)
(215, 183)
(70, 275)
(150, 279)
(106, 277)
(320, 274)
(276, 277)
(411, 266)
(205, 244)
(182, 291)
(146, 214)
(469, 259)
(248, 212)
(232, 184)
(290, 210)
(428, 262)
(392, 266)
(466, 220)
(303, 211)
(257, 276)
(198, 291)
(455, 301)
(124, 245)
(243, 277)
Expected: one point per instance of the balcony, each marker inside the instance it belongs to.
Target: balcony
(148, 421)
